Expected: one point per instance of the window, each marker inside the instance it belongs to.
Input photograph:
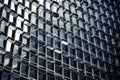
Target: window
(25, 54)
(34, 7)
(70, 38)
(72, 51)
(67, 15)
(7, 61)
(41, 35)
(17, 34)
(42, 76)
(16, 64)
(74, 75)
(56, 43)
(66, 72)
(2, 42)
(87, 57)
(49, 28)
(58, 69)
(49, 40)
(33, 73)
(57, 56)
(41, 11)
(74, 19)
(48, 15)
(12, 17)
(81, 65)
(66, 59)
(72, 8)
(65, 47)
(33, 18)
(66, 4)
(42, 48)
(73, 62)
(3, 26)
(50, 65)
(55, 31)
(20, 8)
(27, 14)
(34, 43)
(33, 30)
(49, 52)
(33, 57)
(42, 62)
(24, 69)
(79, 53)
(8, 45)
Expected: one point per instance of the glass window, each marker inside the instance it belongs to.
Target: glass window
(34, 7)
(50, 52)
(81, 65)
(66, 59)
(8, 45)
(41, 11)
(74, 19)
(16, 64)
(68, 26)
(58, 69)
(74, 75)
(57, 56)
(49, 28)
(66, 4)
(66, 72)
(41, 35)
(85, 16)
(33, 73)
(85, 45)
(73, 62)
(60, 11)
(33, 58)
(55, 20)
(78, 41)
(55, 31)
(76, 31)
(26, 14)
(87, 57)
(7, 61)
(72, 51)
(70, 38)
(25, 54)
(63, 34)
(56, 43)
(67, 15)
(48, 15)
(42, 62)
(20, 8)
(41, 23)
(33, 18)
(47, 5)
(72, 8)
(42, 76)
(24, 69)
(61, 22)
(50, 65)
(65, 47)
(2, 38)
(33, 30)
(49, 40)
(25, 26)
(42, 48)
(17, 34)
(34, 43)
(79, 53)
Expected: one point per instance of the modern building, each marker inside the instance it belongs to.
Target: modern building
(59, 39)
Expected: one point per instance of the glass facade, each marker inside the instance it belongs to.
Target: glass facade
(59, 40)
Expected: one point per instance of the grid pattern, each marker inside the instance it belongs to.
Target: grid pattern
(59, 40)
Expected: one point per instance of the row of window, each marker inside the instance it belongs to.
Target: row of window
(25, 69)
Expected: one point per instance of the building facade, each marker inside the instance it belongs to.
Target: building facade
(59, 40)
